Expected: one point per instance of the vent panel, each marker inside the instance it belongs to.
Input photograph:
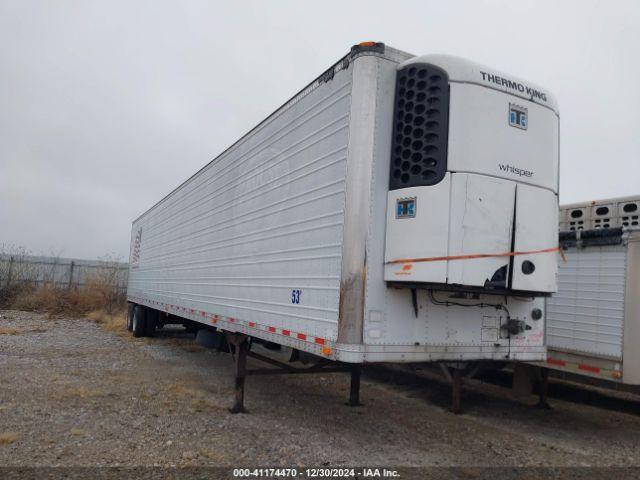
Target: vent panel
(602, 214)
(420, 127)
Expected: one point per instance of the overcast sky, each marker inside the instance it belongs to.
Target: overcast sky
(107, 106)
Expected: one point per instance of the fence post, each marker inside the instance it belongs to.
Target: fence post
(10, 271)
(71, 265)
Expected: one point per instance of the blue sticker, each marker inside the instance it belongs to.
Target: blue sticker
(406, 207)
(518, 116)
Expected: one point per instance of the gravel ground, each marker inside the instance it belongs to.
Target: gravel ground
(75, 394)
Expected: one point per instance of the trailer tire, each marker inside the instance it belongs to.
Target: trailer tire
(130, 310)
(192, 327)
(151, 322)
(138, 327)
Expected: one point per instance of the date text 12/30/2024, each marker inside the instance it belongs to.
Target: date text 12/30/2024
(315, 473)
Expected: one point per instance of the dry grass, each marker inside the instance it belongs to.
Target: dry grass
(23, 290)
(216, 456)
(186, 344)
(98, 300)
(182, 390)
(80, 392)
(197, 400)
(8, 437)
(114, 322)
(191, 347)
(66, 302)
(15, 331)
(9, 331)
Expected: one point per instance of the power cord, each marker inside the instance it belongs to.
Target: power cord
(497, 306)
(447, 303)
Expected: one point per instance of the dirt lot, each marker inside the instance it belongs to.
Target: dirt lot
(75, 394)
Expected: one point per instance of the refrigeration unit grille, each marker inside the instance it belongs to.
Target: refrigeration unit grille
(420, 127)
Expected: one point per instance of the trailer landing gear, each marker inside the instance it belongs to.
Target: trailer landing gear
(543, 387)
(241, 350)
(528, 380)
(455, 373)
(456, 391)
(354, 390)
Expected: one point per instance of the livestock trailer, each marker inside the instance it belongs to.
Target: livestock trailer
(399, 208)
(593, 321)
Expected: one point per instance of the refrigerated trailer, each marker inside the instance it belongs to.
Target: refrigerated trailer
(399, 208)
(593, 322)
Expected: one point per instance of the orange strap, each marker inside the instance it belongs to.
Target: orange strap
(478, 255)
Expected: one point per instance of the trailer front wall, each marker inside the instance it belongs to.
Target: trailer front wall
(256, 236)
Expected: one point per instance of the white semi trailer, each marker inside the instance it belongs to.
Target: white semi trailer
(593, 322)
(399, 208)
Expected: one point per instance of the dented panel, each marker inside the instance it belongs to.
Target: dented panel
(481, 223)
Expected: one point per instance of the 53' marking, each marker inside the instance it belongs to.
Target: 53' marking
(295, 296)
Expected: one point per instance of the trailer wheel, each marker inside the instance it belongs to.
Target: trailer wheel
(192, 327)
(138, 327)
(130, 310)
(151, 322)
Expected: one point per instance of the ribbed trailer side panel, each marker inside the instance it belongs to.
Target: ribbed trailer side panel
(593, 321)
(257, 230)
(586, 315)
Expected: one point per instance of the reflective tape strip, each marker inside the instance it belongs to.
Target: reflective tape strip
(588, 368)
(216, 317)
(554, 361)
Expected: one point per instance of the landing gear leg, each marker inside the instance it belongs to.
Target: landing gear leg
(240, 356)
(456, 391)
(544, 389)
(354, 391)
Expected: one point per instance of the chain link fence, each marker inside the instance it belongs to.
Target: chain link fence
(19, 270)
